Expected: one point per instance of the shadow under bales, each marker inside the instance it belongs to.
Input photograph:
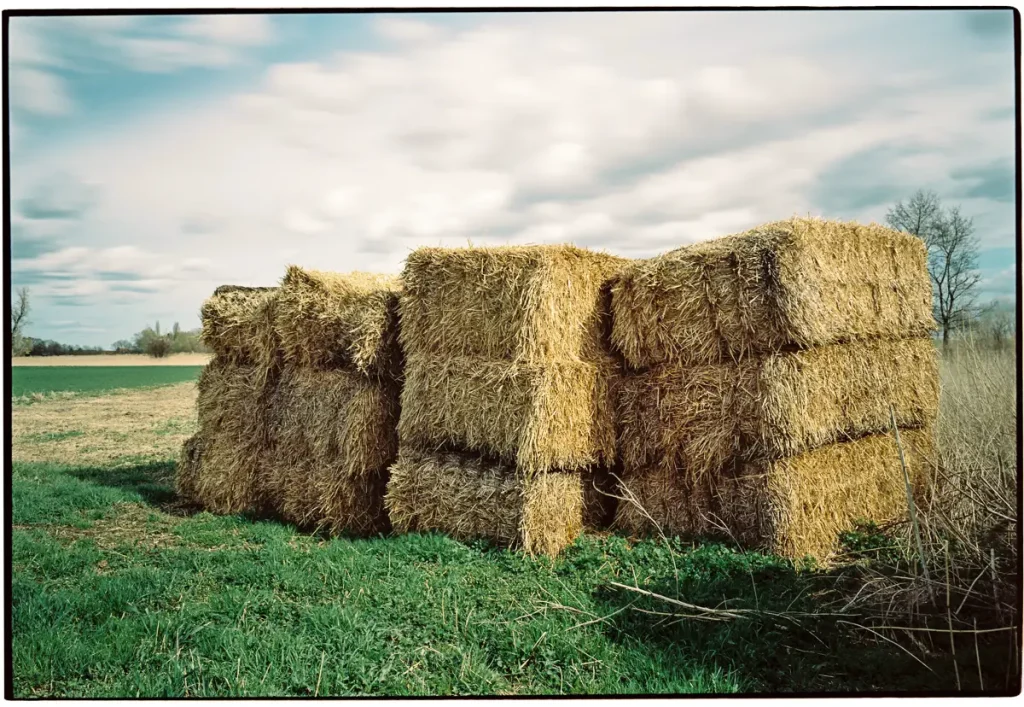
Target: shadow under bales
(784, 629)
(152, 481)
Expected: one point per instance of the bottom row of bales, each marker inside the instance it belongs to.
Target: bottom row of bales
(525, 410)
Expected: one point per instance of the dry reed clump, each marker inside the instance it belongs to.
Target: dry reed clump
(803, 282)
(232, 405)
(468, 498)
(697, 418)
(555, 416)
(600, 496)
(969, 521)
(530, 304)
(188, 468)
(333, 436)
(796, 506)
(238, 324)
(332, 320)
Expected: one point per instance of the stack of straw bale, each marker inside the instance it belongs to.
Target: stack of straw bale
(334, 414)
(507, 408)
(298, 410)
(762, 368)
(219, 467)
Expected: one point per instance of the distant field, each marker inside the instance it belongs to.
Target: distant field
(26, 380)
(195, 359)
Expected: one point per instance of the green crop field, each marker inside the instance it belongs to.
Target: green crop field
(27, 380)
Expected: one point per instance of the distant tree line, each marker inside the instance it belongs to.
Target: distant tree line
(148, 341)
(46, 347)
(151, 341)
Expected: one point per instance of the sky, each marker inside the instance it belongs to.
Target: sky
(156, 157)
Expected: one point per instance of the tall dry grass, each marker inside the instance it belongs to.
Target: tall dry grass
(959, 586)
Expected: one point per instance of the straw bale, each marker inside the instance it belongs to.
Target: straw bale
(333, 437)
(776, 405)
(327, 319)
(663, 501)
(238, 324)
(555, 416)
(188, 468)
(794, 507)
(232, 404)
(803, 282)
(522, 303)
(468, 497)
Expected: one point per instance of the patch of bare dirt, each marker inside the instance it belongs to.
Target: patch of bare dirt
(149, 424)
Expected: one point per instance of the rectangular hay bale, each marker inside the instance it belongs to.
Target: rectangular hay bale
(468, 497)
(232, 404)
(238, 324)
(796, 506)
(696, 418)
(801, 282)
(188, 468)
(329, 320)
(334, 434)
(555, 416)
(520, 303)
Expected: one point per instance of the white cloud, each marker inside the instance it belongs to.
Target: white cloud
(241, 30)
(163, 55)
(301, 222)
(41, 47)
(38, 92)
(638, 133)
(400, 29)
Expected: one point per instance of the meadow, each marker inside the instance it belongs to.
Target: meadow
(121, 590)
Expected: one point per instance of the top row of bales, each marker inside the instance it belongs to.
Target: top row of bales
(799, 283)
(510, 370)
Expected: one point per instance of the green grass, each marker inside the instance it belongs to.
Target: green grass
(29, 380)
(117, 592)
(52, 436)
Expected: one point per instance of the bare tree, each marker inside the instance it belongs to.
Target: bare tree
(952, 256)
(19, 318)
(953, 264)
(918, 216)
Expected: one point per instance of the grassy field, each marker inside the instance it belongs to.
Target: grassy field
(32, 381)
(119, 591)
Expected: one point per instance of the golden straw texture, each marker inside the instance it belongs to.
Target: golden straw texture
(467, 498)
(528, 304)
(238, 324)
(794, 507)
(232, 405)
(556, 416)
(334, 435)
(327, 319)
(188, 468)
(696, 418)
(803, 282)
